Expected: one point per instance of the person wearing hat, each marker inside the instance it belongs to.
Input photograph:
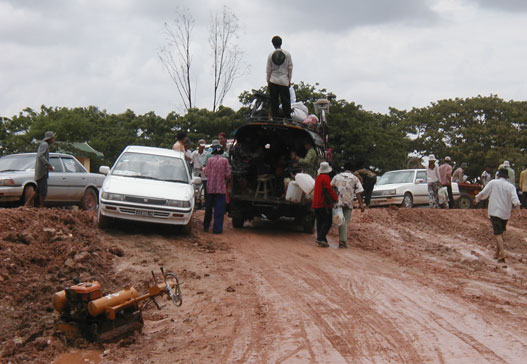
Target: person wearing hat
(324, 197)
(279, 72)
(432, 177)
(445, 178)
(459, 173)
(218, 171)
(198, 157)
(502, 196)
(348, 186)
(42, 168)
(512, 175)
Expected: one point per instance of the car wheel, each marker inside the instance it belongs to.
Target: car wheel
(186, 229)
(408, 201)
(103, 222)
(464, 202)
(28, 192)
(89, 200)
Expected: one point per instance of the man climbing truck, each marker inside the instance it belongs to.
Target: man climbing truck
(265, 159)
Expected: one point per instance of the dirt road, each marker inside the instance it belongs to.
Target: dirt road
(415, 286)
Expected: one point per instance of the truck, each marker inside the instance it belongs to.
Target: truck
(259, 155)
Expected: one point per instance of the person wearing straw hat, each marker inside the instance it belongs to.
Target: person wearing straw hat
(432, 177)
(502, 196)
(42, 168)
(324, 197)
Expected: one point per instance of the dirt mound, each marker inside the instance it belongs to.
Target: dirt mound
(41, 251)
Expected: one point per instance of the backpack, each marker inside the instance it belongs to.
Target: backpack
(278, 57)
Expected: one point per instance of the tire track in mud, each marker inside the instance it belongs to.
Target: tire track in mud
(350, 326)
(351, 316)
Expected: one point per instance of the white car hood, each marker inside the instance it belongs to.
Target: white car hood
(148, 188)
(390, 186)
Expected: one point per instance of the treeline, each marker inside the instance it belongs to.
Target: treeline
(480, 131)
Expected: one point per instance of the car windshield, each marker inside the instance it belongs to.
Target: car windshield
(17, 163)
(150, 166)
(396, 177)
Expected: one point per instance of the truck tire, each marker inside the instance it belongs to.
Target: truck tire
(237, 220)
(465, 202)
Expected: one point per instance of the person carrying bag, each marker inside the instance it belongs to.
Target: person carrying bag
(324, 197)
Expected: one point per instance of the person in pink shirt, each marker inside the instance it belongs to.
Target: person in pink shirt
(445, 177)
(218, 171)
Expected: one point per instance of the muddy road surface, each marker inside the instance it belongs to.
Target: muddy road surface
(414, 286)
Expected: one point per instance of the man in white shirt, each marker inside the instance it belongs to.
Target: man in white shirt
(198, 157)
(279, 73)
(432, 178)
(502, 196)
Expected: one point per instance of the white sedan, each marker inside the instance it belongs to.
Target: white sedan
(405, 187)
(148, 184)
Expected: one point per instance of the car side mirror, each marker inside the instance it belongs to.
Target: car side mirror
(104, 169)
(196, 180)
(419, 180)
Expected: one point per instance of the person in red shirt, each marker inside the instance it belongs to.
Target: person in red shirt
(323, 199)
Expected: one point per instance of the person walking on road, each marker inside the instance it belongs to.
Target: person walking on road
(218, 171)
(42, 169)
(502, 196)
(324, 197)
(445, 178)
(432, 177)
(523, 186)
(279, 74)
(348, 186)
(369, 178)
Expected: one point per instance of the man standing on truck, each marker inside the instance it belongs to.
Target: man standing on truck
(309, 162)
(324, 197)
(502, 196)
(279, 73)
(42, 169)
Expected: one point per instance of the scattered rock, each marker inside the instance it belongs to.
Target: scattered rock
(81, 257)
(230, 289)
(115, 250)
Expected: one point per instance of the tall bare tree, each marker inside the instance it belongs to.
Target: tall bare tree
(176, 56)
(227, 57)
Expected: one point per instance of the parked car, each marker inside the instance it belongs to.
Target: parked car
(405, 187)
(69, 183)
(148, 184)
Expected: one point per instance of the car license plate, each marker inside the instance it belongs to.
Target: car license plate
(144, 213)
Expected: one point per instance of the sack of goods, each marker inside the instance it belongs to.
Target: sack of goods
(299, 112)
(338, 216)
(305, 182)
(311, 120)
(294, 192)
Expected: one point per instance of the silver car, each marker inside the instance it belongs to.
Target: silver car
(68, 184)
(150, 185)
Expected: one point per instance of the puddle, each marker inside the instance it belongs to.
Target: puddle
(79, 357)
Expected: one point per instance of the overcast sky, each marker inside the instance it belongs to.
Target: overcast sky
(376, 53)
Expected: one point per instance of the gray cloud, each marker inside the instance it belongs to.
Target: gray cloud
(506, 5)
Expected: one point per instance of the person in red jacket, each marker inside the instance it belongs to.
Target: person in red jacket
(323, 199)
